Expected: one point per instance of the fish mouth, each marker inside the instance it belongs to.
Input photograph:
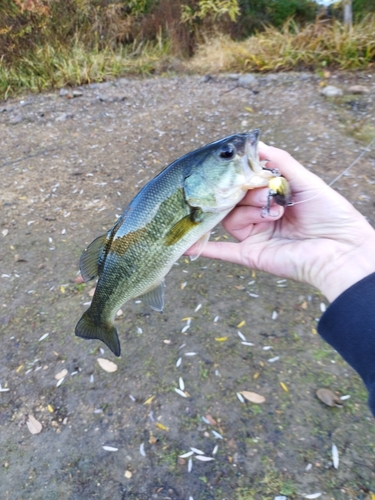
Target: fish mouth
(251, 164)
(251, 151)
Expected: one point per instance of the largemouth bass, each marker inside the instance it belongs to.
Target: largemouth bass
(176, 209)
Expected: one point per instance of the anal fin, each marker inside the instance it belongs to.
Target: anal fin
(154, 297)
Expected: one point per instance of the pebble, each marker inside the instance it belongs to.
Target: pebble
(248, 81)
(358, 89)
(16, 119)
(331, 91)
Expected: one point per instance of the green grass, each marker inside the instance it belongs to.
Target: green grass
(314, 46)
(49, 67)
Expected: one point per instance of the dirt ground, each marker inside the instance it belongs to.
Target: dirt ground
(70, 163)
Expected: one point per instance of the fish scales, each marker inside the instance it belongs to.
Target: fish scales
(173, 211)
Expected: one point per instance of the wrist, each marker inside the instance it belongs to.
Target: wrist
(347, 269)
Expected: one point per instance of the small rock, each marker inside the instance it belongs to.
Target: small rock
(331, 91)
(26, 103)
(63, 117)
(233, 76)
(305, 76)
(67, 93)
(77, 93)
(123, 81)
(248, 81)
(206, 78)
(359, 89)
(16, 119)
(104, 85)
(128, 474)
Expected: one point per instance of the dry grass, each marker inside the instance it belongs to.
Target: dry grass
(313, 46)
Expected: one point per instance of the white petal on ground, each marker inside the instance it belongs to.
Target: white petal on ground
(186, 455)
(179, 361)
(242, 336)
(107, 365)
(109, 448)
(34, 426)
(181, 393)
(214, 451)
(240, 397)
(274, 315)
(247, 343)
(272, 360)
(181, 383)
(217, 435)
(190, 464)
(198, 452)
(60, 382)
(142, 450)
(43, 337)
(190, 353)
(204, 459)
(198, 307)
(313, 495)
(335, 456)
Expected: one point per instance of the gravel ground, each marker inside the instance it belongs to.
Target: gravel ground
(70, 163)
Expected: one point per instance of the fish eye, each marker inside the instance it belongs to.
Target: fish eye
(227, 152)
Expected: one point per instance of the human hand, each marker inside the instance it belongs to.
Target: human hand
(321, 240)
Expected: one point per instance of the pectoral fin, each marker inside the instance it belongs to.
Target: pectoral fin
(89, 260)
(180, 229)
(199, 245)
(155, 297)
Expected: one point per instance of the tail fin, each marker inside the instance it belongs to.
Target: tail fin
(88, 329)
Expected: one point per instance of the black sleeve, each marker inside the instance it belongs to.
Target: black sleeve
(348, 325)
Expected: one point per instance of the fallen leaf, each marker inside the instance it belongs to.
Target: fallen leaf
(106, 365)
(253, 397)
(284, 387)
(328, 397)
(221, 339)
(34, 426)
(211, 420)
(61, 374)
(241, 324)
(148, 401)
(162, 427)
